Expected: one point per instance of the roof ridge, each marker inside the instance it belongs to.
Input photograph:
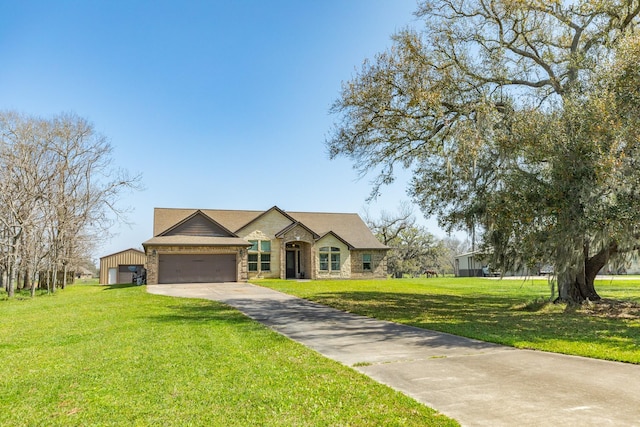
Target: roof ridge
(325, 213)
(257, 210)
(210, 209)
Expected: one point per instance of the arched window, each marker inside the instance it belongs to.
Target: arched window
(329, 258)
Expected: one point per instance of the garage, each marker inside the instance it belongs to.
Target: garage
(196, 268)
(121, 267)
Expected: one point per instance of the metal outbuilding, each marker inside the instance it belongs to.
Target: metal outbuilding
(469, 264)
(122, 267)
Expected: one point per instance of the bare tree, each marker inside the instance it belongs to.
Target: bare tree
(58, 193)
(451, 247)
(413, 248)
(22, 160)
(389, 225)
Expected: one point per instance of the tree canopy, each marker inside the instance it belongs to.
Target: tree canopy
(519, 120)
(413, 249)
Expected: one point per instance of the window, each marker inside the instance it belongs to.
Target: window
(335, 262)
(366, 262)
(265, 262)
(260, 249)
(324, 262)
(253, 262)
(327, 253)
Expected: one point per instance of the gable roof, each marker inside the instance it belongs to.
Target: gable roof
(165, 218)
(136, 251)
(198, 223)
(348, 227)
(276, 209)
(295, 224)
(331, 233)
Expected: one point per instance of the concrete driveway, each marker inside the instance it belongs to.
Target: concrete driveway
(476, 383)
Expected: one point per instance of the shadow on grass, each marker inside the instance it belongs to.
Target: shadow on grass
(487, 318)
(119, 286)
(23, 294)
(201, 312)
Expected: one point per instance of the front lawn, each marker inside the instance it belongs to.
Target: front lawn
(510, 312)
(115, 355)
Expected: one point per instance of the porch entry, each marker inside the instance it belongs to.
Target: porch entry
(294, 263)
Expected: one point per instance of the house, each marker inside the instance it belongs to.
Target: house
(121, 267)
(208, 245)
(82, 273)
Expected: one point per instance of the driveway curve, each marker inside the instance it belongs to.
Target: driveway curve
(474, 382)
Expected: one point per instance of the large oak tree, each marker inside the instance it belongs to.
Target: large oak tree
(519, 119)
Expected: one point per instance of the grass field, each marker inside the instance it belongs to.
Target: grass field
(510, 312)
(100, 356)
(92, 355)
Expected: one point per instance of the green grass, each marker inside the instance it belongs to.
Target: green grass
(510, 312)
(99, 356)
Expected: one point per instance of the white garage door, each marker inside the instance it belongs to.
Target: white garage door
(196, 268)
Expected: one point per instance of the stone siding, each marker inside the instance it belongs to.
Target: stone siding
(345, 259)
(299, 235)
(378, 264)
(265, 228)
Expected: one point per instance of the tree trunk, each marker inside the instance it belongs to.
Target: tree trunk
(579, 287)
(33, 284)
(64, 276)
(10, 282)
(54, 279)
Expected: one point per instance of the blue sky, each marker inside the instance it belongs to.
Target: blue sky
(218, 104)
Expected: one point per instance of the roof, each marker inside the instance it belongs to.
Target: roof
(121, 252)
(347, 226)
(475, 253)
(196, 241)
(165, 218)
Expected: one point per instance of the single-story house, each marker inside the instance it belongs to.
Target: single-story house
(82, 273)
(121, 267)
(209, 245)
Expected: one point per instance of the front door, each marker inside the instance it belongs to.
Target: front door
(291, 264)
